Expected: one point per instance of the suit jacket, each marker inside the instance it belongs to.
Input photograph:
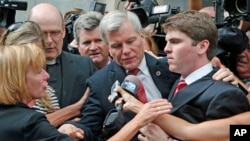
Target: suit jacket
(75, 70)
(207, 99)
(20, 123)
(98, 106)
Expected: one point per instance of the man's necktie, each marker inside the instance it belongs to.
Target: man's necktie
(180, 85)
(134, 71)
(141, 94)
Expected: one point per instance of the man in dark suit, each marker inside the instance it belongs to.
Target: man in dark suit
(190, 47)
(126, 47)
(68, 72)
(122, 31)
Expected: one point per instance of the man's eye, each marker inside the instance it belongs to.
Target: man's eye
(116, 46)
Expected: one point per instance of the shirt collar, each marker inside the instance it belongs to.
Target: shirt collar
(199, 73)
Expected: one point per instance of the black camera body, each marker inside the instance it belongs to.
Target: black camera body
(8, 11)
(114, 120)
(238, 8)
(149, 12)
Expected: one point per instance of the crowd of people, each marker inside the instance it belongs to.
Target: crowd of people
(52, 94)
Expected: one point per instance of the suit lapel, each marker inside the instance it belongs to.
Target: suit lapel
(160, 74)
(171, 94)
(190, 92)
(116, 72)
(68, 72)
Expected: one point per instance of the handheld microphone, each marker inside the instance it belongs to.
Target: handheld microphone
(132, 85)
(135, 87)
(114, 120)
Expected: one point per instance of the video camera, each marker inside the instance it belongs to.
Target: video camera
(149, 12)
(238, 8)
(8, 11)
(232, 41)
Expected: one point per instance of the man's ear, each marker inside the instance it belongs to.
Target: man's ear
(203, 46)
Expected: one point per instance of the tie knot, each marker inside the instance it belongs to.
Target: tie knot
(134, 71)
(180, 85)
(182, 82)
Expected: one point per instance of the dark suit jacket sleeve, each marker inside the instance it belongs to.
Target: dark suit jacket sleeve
(93, 114)
(39, 129)
(228, 103)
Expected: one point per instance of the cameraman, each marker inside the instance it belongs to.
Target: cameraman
(243, 63)
(69, 43)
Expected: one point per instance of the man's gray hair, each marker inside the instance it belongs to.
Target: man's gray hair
(87, 21)
(115, 19)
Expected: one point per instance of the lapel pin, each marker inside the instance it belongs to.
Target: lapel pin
(158, 73)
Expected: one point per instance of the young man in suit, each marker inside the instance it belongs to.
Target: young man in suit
(191, 42)
(68, 72)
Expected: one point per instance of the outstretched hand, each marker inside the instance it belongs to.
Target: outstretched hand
(223, 73)
(134, 105)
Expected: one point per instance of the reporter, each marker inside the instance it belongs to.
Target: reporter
(23, 80)
(213, 130)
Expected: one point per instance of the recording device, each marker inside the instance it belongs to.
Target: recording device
(232, 41)
(69, 25)
(237, 7)
(97, 6)
(237, 10)
(114, 95)
(115, 118)
(69, 36)
(8, 11)
(149, 12)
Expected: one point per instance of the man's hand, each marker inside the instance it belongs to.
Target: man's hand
(223, 73)
(74, 132)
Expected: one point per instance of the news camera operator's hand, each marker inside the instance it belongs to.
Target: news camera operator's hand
(223, 73)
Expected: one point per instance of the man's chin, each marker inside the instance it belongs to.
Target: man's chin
(50, 58)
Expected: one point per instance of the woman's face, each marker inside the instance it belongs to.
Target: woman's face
(36, 82)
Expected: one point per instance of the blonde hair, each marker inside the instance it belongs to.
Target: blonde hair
(28, 32)
(15, 60)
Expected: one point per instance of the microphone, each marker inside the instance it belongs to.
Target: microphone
(134, 86)
(114, 120)
(131, 84)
